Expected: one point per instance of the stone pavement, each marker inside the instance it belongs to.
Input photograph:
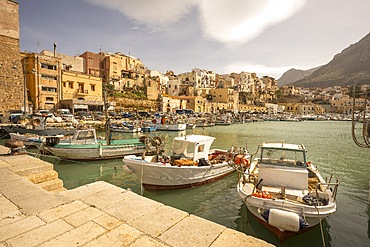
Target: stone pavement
(100, 214)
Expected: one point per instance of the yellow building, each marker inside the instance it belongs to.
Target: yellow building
(42, 76)
(81, 92)
(224, 98)
(81, 86)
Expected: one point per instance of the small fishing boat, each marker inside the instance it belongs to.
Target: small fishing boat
(285, 192)
(30, 140)
(191, 163)
(84, 145)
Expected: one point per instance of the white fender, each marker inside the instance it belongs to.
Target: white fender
(284, 220)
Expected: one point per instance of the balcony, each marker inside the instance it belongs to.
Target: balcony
(82, 92)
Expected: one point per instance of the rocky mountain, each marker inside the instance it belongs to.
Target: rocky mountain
(294, 75)
(347, 67)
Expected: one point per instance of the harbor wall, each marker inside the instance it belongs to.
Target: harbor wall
(96, 214)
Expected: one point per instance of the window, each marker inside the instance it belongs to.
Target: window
(92, 87)
(49, 89)
(49, 99)
(64, 84)
(49, 77)
(70, 84)
(48, 66)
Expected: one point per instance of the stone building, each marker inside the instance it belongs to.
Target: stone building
(11, 73)
(122, 71)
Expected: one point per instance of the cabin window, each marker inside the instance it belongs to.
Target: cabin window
(201, 148)
(85, 135)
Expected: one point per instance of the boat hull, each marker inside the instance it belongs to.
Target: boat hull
(93, 153)
(312, 215)
(156, 176)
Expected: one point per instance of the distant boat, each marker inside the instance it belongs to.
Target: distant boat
(84, 145)
(285, 192)
(191, 163)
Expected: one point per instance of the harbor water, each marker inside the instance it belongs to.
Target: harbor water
(330, 148)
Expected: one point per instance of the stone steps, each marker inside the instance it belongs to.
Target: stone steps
(34, 170)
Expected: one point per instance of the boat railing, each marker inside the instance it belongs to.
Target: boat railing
(333, 187)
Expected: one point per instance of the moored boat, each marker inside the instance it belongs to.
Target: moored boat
(191, 163)
(285, 192)
(84, 145)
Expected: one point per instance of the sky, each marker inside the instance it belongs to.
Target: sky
(267, 37)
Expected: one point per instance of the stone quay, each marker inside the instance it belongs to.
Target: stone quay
(36, 210)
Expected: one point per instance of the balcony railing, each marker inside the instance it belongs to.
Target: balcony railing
(81, 91)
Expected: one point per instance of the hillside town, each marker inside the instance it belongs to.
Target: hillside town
(49, 80)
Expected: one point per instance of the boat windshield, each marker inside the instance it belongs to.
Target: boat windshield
(184, 149)
(283, 157)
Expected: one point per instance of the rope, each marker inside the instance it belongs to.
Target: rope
(321, 230)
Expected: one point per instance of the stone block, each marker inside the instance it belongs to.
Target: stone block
(194, 230)
(7, 176)
(42, 176)
(3, 150)
(20, 188)
(11, 217)
(36, 204)
(40, 235)
(31, 167)
(86, 190)
(83, 216)
(51, 185)
(107, 221)
(145, 240)
(77, 237)
(132, 208)
(6, 206)
(62, 211)
(104, 198)
(123, 235)
(16, 228)
(234, 238)
(159, 220)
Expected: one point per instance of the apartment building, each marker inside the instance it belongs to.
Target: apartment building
(122, 71)
(81, 92)
(198, 78)
(43, 77)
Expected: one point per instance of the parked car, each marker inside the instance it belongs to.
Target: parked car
(65, 114)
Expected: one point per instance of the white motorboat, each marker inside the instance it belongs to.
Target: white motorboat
(191, 163)
(285, 192)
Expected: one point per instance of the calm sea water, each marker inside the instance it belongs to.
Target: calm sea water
(330, 147)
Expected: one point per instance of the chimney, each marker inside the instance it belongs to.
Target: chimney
(55, 49)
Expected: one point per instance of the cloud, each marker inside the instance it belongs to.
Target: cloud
(226, 21)
(157, 14)
(239, 21)
(259, 69)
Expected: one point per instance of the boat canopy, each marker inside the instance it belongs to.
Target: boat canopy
(193, 147)
(283, 154)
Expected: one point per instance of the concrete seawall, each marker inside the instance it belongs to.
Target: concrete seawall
(97, 214)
